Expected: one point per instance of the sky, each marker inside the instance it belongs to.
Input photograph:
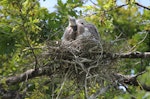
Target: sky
(49, 4)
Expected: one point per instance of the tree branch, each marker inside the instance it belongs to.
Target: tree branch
(131, 80)
(29, 74)
(142, 6)
(46, 70)
(134, 55)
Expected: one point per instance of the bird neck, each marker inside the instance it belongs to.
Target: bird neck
(74, 28)
(72, 24)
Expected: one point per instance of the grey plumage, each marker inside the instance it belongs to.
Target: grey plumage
(70, 32)
(89, 29)
(78, 33)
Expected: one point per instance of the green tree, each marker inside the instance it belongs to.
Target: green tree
(27, 32)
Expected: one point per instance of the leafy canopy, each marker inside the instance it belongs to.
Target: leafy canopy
(24, 26)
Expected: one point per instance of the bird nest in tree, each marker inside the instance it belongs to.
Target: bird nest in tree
(80, 60)
(83, 65)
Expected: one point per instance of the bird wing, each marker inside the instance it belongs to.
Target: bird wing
(92, 29)
(66, 35)
(69, 34)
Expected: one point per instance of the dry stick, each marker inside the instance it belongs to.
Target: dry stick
(78, 62)
(62, 85)
(138, 43)
(85, 87)
(85, 82)
(99, 92)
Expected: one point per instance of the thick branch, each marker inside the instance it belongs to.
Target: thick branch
(46, 71)
(29, 74)
(32, 73)
(131, 80)
(134, 55)
(128, 79)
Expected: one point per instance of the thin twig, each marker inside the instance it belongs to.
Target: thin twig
(62, 85)
(26, 33)
(99, 92)
(85, 87)
(94, 3)
(138, 43)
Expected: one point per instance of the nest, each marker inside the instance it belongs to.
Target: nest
(79, 60)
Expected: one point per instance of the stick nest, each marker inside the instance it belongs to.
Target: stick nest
(80, 60)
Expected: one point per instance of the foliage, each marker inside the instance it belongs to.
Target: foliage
(25, 27)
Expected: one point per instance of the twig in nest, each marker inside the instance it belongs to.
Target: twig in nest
(63, 83)
(99, 92)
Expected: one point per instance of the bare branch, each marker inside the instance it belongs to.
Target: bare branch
(127, 79)
(32, 73)
(131, 80)
(121, 6)
(142, 6)
(94, 3)
(139, 42)
(134, 55)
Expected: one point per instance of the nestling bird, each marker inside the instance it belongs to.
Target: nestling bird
(70, 32)
(89, 30)
(78, 32)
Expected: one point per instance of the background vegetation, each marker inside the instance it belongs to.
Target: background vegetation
(25, 27)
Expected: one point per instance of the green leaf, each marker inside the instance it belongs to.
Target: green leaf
(60, 3)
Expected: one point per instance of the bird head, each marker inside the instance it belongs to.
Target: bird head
(72, 21)
(81, 21)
